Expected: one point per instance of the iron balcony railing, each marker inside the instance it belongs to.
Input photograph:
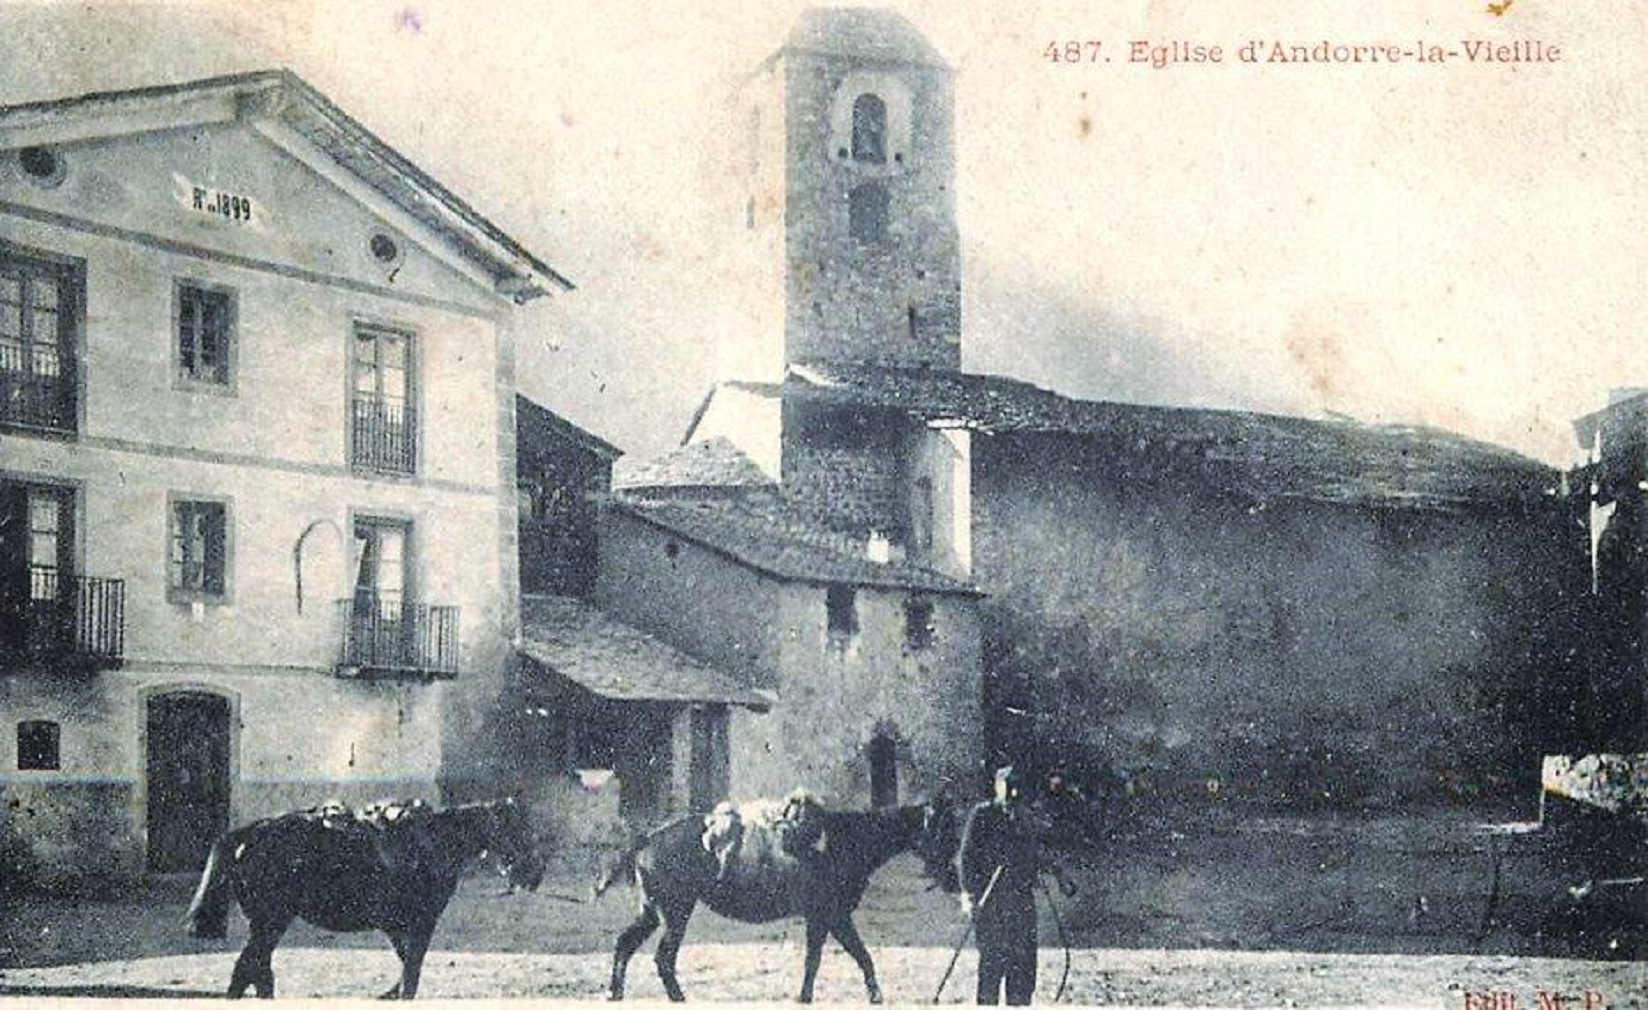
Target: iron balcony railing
(384, 434)
(386, 636)
(34, 392)
(52, 616)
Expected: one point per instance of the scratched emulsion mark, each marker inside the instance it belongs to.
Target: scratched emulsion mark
(1319, 354)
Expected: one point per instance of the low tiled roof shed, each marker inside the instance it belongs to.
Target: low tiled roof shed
(612, 660)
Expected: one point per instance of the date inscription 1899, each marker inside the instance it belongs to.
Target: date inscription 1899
(229, 206)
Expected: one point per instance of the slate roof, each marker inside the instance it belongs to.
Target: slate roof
(530, 412)
(288, 99)
(764, 531)
(864, 33)
(1628, 408)
(619, 662)
(714, 463)
(1265, 456)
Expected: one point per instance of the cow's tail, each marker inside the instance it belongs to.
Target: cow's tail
(208, 915)
(621, 868)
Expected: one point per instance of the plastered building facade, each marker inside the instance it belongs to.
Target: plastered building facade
(263, 463)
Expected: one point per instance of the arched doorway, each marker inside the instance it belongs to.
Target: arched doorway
(187, 764)
(883, 755)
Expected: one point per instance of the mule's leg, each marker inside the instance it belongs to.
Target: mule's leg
(847, 933)
(417, 945)
(253, 967)
(675, 930)
(817, 932)
(398, 940)
(629, 941)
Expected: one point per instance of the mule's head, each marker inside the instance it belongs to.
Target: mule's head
(511, 840)
(937, 842)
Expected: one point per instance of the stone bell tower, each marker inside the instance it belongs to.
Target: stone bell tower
(852, 136)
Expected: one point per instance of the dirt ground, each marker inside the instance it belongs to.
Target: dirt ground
(1162, 932)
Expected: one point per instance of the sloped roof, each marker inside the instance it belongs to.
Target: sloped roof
(537, 413)
(765, 532)
(864, 33)
(284, 97)
(1262, 455)
(710, 464)
(1623, 410)
(619, 662)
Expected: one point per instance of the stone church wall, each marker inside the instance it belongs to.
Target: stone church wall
(895, 300)
(1295, 652)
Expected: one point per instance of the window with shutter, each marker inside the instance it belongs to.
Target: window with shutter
(198, 566)
(205, 334)
(39, 317)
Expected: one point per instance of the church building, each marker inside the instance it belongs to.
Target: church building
(1200, 603)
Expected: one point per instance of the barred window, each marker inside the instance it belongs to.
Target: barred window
(384, 424)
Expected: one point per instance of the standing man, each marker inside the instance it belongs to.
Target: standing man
(1000, 857)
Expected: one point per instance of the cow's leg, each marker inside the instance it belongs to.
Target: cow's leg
(675, 930)
(847, 933)
(817, 932)
(629, 941)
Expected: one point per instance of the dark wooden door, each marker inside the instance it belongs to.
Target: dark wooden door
(14, 566)
(188, 769)
(883, 772)
(708, 772)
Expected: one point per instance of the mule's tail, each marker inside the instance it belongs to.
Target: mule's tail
(208, 915)
(621, 868)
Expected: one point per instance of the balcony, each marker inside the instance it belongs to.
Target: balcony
(34, 393)
(385, 637)
(383, 435)
(63, 621)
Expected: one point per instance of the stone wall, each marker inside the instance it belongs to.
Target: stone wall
(834, 695)
(699, 601)
(848, 469)
(897, 300)
(838, 695)
(1185, 641)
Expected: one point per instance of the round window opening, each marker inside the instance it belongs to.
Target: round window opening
(42, 165)
(385, 249)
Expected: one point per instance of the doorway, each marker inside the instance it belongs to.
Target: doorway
(883, 772)
(188, 778)
(708, 771)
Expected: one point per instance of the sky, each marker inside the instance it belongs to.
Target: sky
(1461, 245)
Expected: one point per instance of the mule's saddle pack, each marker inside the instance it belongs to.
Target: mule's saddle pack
(763, 830)
(386, 829)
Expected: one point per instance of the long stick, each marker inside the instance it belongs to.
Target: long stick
(1064, 939)
(967, 933)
